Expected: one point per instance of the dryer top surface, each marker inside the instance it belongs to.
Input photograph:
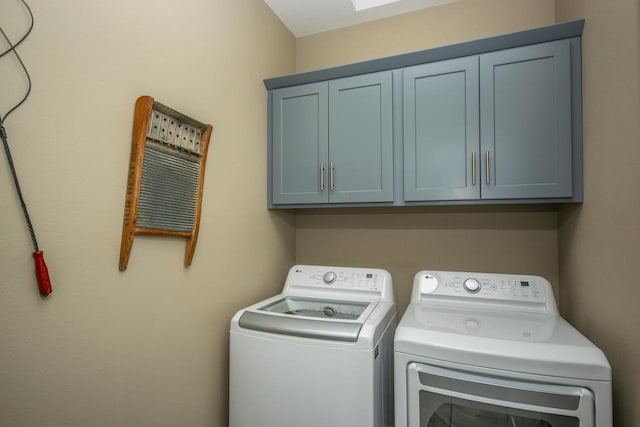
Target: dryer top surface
(510, 323)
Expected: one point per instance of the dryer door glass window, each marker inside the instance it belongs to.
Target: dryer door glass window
(443, 397)
(444, 411)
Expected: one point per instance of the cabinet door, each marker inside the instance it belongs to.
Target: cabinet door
(300, 144)
(361, 139)
(441, 130)
(526, 122)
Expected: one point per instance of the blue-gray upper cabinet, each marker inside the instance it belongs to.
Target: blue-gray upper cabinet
(441, 130)
(300, 144)
(333, 141)
(361, 139)
(506, 137)
(489, 121)
(526, 122)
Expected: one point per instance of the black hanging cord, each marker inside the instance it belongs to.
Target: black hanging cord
(3, 132)
(12, 47)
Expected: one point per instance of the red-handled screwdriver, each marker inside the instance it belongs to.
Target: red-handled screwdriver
(42, 272)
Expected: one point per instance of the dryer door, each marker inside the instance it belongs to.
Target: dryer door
(439, 397)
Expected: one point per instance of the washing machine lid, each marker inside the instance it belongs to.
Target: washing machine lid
(309, 318)
(521, 342)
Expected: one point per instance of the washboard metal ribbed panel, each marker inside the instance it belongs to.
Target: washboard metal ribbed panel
(166, 175)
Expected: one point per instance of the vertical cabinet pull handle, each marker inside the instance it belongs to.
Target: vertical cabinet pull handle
(331, 173)
(322, 177)
(473, 168)
(487, 167)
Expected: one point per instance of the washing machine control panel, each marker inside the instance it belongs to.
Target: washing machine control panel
(483, 286)
(339, 278)
(359, 279)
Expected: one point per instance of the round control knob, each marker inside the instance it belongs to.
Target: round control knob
(471, 285)
(329, 277)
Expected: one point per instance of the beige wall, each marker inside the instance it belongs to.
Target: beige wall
(599, 240)
(407, 240)
(148, 346)
(491, 239)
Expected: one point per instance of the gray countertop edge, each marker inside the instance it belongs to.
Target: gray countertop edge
(506, 41)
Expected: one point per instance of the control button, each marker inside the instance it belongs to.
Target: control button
(471, 285)
(329, 277)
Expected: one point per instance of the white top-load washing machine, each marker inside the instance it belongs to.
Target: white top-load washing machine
(320, 354)
(476, 350)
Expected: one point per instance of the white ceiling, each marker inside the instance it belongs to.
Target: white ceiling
(305, 17)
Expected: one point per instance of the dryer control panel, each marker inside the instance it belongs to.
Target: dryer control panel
(369, 280)
(534, 291)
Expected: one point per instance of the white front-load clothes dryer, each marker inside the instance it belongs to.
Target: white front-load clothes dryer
(490, 350)
(320, 354)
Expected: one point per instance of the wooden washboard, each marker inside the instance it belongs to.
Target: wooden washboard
(166, 175)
